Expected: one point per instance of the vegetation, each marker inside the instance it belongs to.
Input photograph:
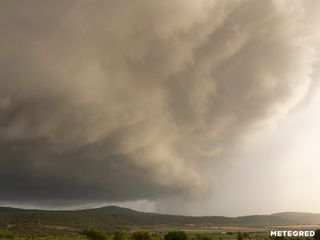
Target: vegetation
(36, 222)
(141, 235)
(240, 237)
(105, 222)
(5, 234)
(94, 234)
(317, 235)
(177, 235)
(206, 238)
(119, 235)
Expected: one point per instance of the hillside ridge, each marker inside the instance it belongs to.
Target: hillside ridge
(27, 221)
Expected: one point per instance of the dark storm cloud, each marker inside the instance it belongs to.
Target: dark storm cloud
(125, 100)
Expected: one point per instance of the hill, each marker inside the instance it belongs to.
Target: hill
(24, 221)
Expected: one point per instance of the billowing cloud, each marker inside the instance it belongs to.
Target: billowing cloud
(125, 100)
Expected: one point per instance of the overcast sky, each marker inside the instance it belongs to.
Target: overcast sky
(206, 107)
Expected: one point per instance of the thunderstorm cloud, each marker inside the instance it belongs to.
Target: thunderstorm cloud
(125, 100)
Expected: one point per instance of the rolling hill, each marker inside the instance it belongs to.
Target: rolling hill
(111, 217)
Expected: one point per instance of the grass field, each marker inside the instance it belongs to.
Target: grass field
(215, 236)
(193, 232)
(217, 233)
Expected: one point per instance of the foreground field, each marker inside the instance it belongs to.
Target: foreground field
(93, 234)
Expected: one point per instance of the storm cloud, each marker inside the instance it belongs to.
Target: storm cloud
(125, 100)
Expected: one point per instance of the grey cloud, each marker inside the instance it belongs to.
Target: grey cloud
(126, 100)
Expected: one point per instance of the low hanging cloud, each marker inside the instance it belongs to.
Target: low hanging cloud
(124, 100)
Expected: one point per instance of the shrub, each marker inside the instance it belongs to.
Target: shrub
(119, 235)
(5, 234)
(239, 236)
(177, 235)
(246, 235)
(94, 234)
(141, 235)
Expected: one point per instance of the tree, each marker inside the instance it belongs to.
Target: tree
(141, 235)
(317, 235)
(177, 235)
(119, 235)
(239, 237)
(94, 234)
(246, 236)
(5, 234)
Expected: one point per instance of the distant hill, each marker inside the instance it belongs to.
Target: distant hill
(50, 222)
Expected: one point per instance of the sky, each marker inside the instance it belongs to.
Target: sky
(205, 107)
